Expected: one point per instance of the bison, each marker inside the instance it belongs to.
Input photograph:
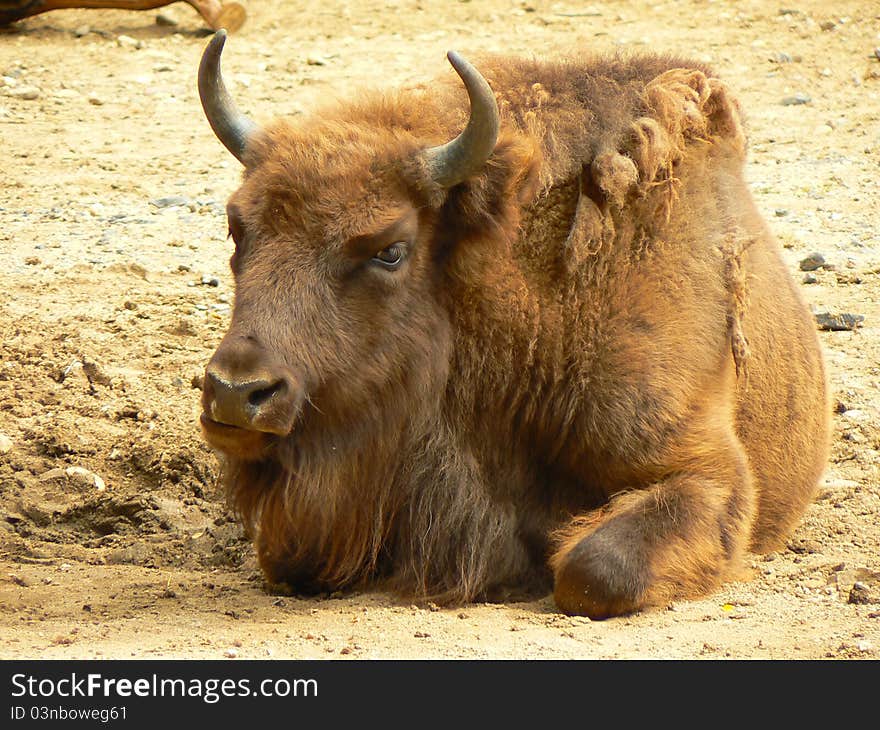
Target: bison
(543, 341)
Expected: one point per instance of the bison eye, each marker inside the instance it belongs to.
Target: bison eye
(392, 257)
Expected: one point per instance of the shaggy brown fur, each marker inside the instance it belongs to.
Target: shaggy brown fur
(592, 372)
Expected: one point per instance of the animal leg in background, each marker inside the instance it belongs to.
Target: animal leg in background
(229, 15)
(681, 536)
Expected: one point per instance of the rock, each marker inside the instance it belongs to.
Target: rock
(76, 474)
(28, 93)
(95, 100)
(812, 262)
(230, 653)
(860, 593)
(859, 585)
(52, 474)
(781, 212)
(82, 30)
(165, 21)
(782, 57)
(126, 41)
(796, 100)
(5, 443)
(210, 281)
(85, 477)
(315, 60)
(810, 279)
(827, 25)
(838, 322)
(853, 414)
(170, 201)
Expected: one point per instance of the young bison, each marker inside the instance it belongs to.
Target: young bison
(561, 348)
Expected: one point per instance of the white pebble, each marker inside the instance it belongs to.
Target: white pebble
(85, 477)
(126, 41)
(5, 443)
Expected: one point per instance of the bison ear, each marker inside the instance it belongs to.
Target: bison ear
(509, 179)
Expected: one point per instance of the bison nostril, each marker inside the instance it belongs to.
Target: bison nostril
(260, 396)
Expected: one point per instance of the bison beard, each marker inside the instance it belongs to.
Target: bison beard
(561, 351)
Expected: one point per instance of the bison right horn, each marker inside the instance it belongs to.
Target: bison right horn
(455, 161)
(232, 127)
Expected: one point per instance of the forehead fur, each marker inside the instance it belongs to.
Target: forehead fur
(341, 179)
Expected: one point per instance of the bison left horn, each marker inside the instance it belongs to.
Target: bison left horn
(455, 161)
(232, 127)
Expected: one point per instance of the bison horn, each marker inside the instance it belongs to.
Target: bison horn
(455, 161)
(232, 127)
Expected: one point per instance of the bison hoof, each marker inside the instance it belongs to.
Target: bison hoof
(599, 580)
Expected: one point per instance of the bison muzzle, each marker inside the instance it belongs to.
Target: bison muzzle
(539, 338)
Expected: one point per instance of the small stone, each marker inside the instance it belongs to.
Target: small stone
(810, 279)
(28, 93)
(5, 443)
(210, 281)
(126, 41)
(165, 21)
(230, 653)
(781, 212)
(82, 31)
(781, 57)
(52, 474)
(169, 201)
(95, 100)
(842, 322)
(796, 100)
(859, 593)
(315, 60)
(130, 306)
(828, 25)
(85, 477)
(32, 260)
(812, 262)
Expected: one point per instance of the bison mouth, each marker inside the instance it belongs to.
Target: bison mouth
(244, 443)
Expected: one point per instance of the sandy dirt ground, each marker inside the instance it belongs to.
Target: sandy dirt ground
(114, 290)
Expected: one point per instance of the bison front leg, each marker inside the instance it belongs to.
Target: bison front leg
(680, 536)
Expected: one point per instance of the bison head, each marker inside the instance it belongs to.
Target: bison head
(339, 299)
